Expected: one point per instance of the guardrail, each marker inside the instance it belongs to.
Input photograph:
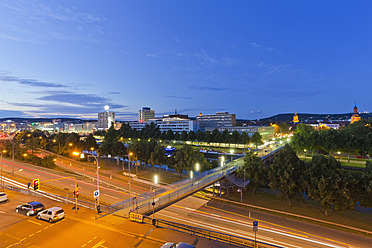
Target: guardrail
(81, 203)
(209, 234)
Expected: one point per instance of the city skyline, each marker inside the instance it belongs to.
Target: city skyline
(255, 59)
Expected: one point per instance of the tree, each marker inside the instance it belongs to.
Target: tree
(244, 138)
(90, 142)
(285, 174)
(256, 139)
(192, 135)
(184, 136)
(158, 156)
(253, 168)
(326, 186)
(169, 135)
(235, 137)
(186, 157)
(200, 135)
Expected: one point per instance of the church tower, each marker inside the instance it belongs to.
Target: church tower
(355, 117)
(295, 118)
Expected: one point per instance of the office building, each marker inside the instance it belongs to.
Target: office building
(219, 120)
(145, 114)
(176, 123)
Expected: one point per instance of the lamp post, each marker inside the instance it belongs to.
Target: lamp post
(192, 177)
(222, 160)
(96, 158)
(130, 189)
(2, 180)
(153, 199)
(197, 167)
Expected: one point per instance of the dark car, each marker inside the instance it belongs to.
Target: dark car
(30, 208)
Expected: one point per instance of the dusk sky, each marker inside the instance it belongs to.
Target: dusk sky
(253, 58)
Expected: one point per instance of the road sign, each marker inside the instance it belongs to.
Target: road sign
(255, 223)
(96, 193)
(255, 228)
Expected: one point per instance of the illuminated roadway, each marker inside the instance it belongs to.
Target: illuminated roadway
(192, 211)
(272, 229)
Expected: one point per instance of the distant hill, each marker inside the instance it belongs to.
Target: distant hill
(288, 117)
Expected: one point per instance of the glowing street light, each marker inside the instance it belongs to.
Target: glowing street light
(130, 193)
(96, 158)
(2, 180)
(153, 199)
(222, 161)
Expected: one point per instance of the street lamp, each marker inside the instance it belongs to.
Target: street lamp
(197, 167)
(2, 180)
(153, 199)
(96, 158)
(192, 177)
(222, 160)
(130, 189)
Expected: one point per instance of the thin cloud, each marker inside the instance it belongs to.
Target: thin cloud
(32, 21)
(261, 47)
(179, 97)
(29, 82)
(210, 88)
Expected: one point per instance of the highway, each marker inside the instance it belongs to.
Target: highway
(272, 229)
(111, 190)
(194, 211)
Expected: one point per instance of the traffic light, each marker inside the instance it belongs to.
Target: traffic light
(76, 193)
(36, 184)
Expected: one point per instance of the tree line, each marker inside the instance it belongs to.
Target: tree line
(354, 138)
(321, 180)
(152, 131)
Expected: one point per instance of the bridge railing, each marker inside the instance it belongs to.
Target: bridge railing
(143, 203)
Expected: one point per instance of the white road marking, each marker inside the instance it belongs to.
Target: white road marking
(111, 196)
(1, 212)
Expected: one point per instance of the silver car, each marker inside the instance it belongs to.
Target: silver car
(178, 245)
(3, 197)
(51, 214)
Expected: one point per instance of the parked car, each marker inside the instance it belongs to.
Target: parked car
(30, 208)
(177, 245)
(51, 214)
(3, 197)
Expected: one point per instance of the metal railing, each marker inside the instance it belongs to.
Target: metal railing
(209, 234)
(144, 202)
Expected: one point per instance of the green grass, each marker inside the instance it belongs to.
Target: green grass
(344, 162)
(268, 200)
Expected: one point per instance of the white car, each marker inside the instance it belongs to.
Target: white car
(3, 197)
(51, 214)
(178, 245)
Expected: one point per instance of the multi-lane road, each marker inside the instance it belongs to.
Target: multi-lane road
(197, 212)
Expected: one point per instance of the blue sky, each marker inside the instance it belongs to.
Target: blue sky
(254, 58)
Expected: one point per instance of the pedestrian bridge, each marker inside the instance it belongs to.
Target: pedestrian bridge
(164, 196)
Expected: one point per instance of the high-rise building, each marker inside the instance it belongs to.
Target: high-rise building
(219, 120)
(105, 119)
(145, 114)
